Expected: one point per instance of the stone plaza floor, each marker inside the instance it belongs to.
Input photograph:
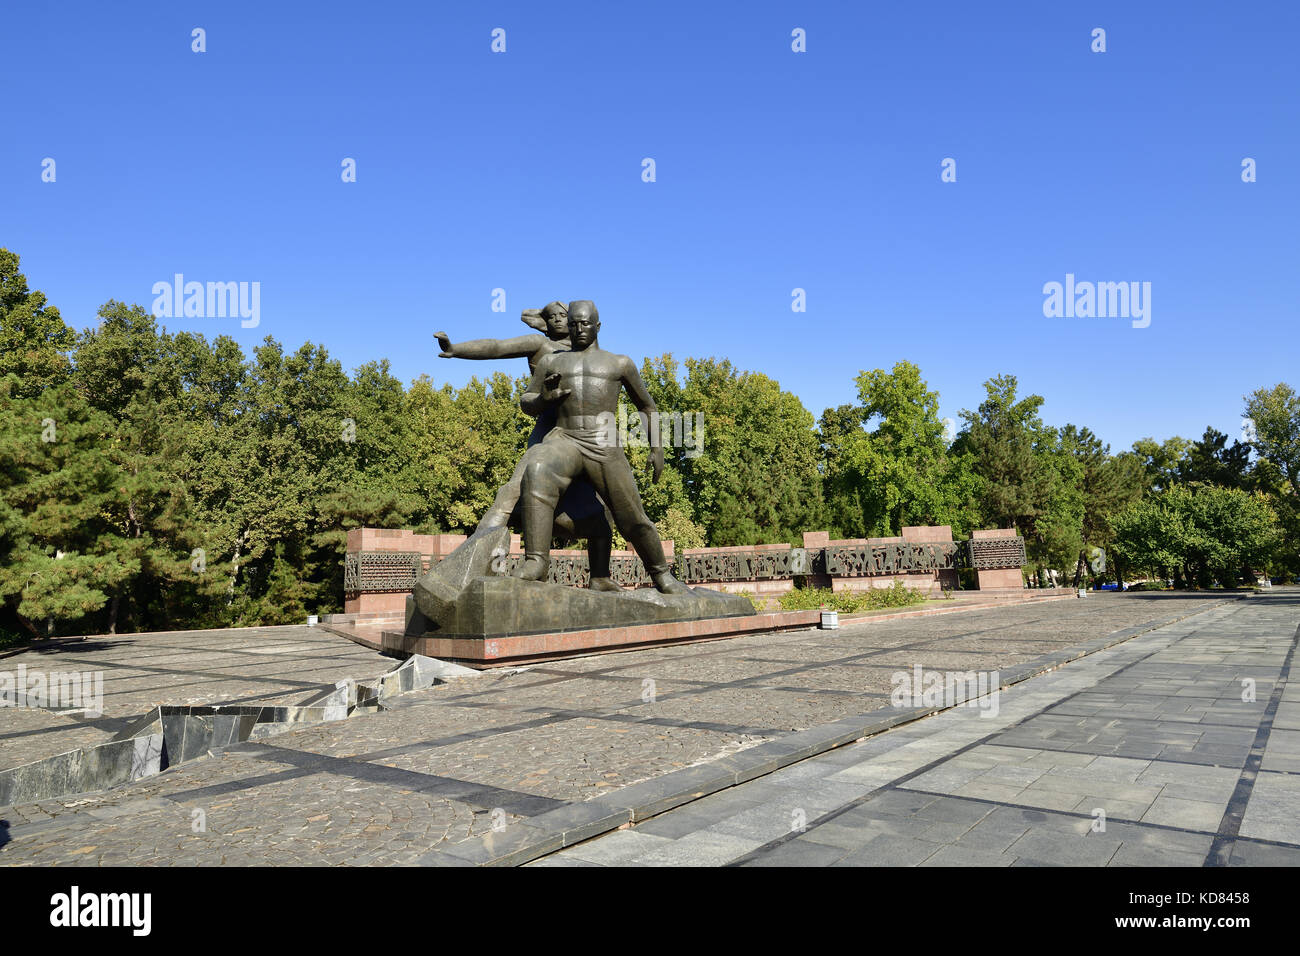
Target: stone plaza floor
(249, 665)
(1152, 731)
(1144, 754)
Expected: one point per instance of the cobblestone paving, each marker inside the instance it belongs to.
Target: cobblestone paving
(448, 762)
(1180, 747)
(269, 665)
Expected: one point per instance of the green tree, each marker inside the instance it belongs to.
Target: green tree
(1000, 436)
(60, 553)
(1161, 460)
(887, 463)
(464, 445)
(1106, 484)
(34, 341)
(129, 370)
(1211, 461)
(1275, 414)
(1197, 534)
(754, 479)
(1055, 538)
(837, 429)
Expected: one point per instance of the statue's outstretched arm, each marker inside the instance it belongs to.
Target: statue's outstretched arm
(522, 346)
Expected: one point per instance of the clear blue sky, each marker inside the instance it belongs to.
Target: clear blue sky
(775, 170)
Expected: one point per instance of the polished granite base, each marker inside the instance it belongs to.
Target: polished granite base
(510, 649)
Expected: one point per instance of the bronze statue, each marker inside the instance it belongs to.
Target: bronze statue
(581, 386)
(579, 513)
(573, 451)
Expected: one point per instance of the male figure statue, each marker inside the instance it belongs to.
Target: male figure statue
(582, 386)
(580, 513)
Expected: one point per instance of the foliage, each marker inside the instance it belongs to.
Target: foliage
(1011, 451)
(755, 479)
(1198, 534)
(1161, 461)
(900, 472)
(34, 341)
(897, 594)
(1275, 414)
(1211, 461)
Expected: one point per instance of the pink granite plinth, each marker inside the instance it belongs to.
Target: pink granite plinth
(528, 648)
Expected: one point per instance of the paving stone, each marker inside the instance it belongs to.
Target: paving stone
(702, 848)
(1091, 849)
(1114, 809)
(946, 778)
(888, 850)
(560, 859)
(446, 764)
(765, 823)
(1187, 814)
(945, 833)
(1281, 763)
(580, 821)
(998, 793)
(1249, 853)
(684, 820)
(1160, 838)
(1081, 783)
(856, 834)
(616, 849)
(1273, 811)
(966, 856)
(796, 853)
(659, 794)
(869, 775)
(990, 835)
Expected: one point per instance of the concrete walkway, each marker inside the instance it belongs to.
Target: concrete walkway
(1180, 747)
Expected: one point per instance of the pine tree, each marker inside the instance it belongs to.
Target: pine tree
(34, 341)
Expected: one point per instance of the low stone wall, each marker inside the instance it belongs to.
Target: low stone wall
(382, 564)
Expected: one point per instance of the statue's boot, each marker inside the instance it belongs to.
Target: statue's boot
(644, 537)
(534, 568)
(665, 583)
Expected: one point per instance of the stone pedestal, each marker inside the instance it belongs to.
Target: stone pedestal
(506, 606)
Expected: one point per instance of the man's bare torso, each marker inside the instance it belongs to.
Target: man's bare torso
(594, 378)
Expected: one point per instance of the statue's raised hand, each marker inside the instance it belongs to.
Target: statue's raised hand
(444, 342)
(551, 392)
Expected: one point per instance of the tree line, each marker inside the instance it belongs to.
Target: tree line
(155, 480)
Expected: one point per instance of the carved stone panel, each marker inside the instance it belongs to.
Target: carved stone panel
(853, 561)
(371, 571)
(988, 554)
